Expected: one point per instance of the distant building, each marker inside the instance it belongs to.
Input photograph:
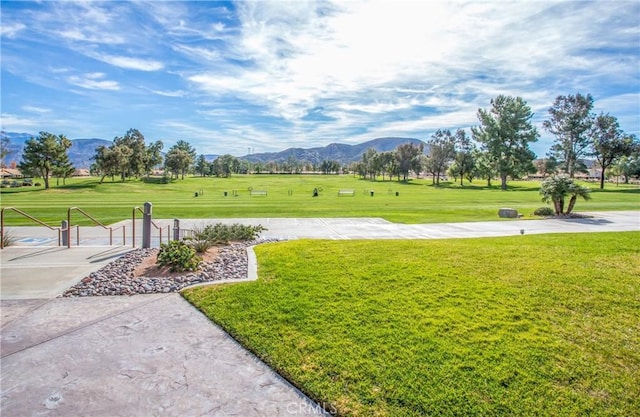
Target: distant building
(11, 173)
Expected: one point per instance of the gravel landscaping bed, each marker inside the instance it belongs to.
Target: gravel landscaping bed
(117, 278)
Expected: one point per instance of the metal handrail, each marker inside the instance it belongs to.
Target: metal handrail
(97, 222)
(133, 233)
(27, 216)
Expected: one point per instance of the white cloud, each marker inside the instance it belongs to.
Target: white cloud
(15, 123)
(35, 109)
(11, 30)
(176, 93)
(130, 62)
(93, 81)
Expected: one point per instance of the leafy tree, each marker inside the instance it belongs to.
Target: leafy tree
(225, 165)
(370, 163)
(442, 150)
(570, 120)
(610, 143)
(330, 166)
(106, 163)
(464, 161)
(153, 156)
(485, 166)
(177, 161)
(505, 132)
(408, 159)
(42, 155)
(63, 169)
(629, 166)
(558, 187)
(202, 166)
(180, 157)
(134, 141)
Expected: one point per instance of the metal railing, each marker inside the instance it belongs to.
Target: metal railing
(27, 216)
(133, 233)
(87, 215)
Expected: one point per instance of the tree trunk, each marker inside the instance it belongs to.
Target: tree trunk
(602, 179)
(503, 184)
(572, 202)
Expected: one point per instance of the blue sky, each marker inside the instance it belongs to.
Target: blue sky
(234, 77)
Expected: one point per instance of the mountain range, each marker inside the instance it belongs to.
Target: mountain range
(83, 150)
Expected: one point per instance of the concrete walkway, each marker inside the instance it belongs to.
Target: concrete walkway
(155, 355)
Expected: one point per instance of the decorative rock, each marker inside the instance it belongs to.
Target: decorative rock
(508, 213)
(117, 278)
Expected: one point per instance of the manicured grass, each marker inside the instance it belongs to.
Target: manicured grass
(526, 325)
(291, 196)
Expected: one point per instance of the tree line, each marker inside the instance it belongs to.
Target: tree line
(499, 147)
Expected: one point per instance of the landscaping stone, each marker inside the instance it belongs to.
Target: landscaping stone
(117, 278)
(508, 213)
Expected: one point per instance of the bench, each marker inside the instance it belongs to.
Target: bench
(258, 192)
(350, 193)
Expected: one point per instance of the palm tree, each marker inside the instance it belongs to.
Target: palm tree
(557, 187)
(576, 191)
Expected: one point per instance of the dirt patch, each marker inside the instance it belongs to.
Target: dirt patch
(149, 268)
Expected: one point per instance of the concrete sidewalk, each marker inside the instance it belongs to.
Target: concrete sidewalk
(146, 355)
(155, 355)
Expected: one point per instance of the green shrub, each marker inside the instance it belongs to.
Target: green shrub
(222, 234)
(178, 256)
(544, 211)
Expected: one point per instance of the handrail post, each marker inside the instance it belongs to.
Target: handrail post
(2, 228)
(69, 228)
(146, 225)
(133, 232)
(110, 236)
(65, 234)
(78, 235)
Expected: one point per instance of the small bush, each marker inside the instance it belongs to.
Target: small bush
(178, 256)
(219, 233)
(199, 245)
(544, 211)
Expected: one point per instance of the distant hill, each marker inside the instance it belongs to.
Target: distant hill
(83, 150)
(335, 151)
(80, 152)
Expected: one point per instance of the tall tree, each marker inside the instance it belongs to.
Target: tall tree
(182, 156)
(442, 150)
(134, 140)
(202, 166)
(464, 160)
(408, 158)
(105, 163)
(42, 155)
(610, 143)
(570, 120)
(153, 157)
(505, 132)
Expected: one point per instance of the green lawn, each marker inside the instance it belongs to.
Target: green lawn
(526, 325)
(290, 196)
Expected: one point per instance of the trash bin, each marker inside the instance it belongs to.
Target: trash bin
(196, 194)
(225, 193)
(397, 193)
(371, 193)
